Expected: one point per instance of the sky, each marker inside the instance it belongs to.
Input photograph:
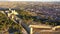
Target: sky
(35, 0)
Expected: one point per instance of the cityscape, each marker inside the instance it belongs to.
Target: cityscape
(29, 17)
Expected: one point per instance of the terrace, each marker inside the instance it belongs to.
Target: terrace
(44, 29)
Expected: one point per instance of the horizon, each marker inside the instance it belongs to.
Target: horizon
(34, 0)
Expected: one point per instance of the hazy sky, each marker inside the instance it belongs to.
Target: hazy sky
(34, 0)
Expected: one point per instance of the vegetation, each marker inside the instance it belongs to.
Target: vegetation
(10, 26)
(29, 18)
